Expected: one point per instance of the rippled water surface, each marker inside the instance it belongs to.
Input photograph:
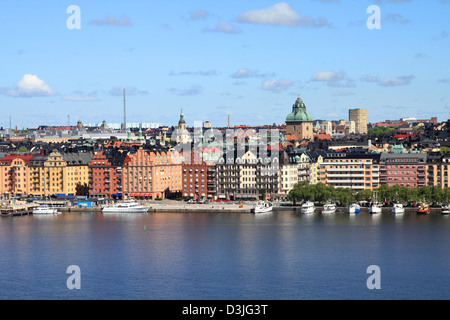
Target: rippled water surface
(172, 256)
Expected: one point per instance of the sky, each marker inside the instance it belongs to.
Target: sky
(247, 59)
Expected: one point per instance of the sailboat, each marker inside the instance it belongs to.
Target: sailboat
(375, 206)
(353, 208)
(44, 209)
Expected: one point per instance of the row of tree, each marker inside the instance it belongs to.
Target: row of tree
(320, 192)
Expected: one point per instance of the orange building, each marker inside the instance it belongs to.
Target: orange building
(14, 175)
(151, 174)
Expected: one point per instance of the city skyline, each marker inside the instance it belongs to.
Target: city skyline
(248, 60)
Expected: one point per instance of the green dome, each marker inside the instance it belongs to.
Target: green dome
(299, 113)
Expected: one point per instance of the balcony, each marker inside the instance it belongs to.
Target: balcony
(345, 181)
(345, 169)
(345, 176)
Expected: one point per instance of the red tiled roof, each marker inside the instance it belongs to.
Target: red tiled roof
(10, 157)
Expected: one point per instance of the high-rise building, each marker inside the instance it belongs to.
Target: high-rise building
(359, 116)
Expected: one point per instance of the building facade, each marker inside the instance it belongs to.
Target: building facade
(354, 171)
(359, 117)
(105, 176)
(195, 177)
(403, 169)
(299, 122)
(14, 175)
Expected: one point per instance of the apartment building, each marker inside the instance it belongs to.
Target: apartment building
(198, 178)
(354, 171)
(76, 171)
(14, 175)
(105, 173)
(247, 177)
(437, 170)
(403, 169)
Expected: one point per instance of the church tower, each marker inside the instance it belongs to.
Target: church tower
(299, 122)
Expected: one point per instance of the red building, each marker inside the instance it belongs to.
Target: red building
(403, 169)
(104, 177)
(195, 177)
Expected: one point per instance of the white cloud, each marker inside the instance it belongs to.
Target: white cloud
(199, 14)
(129, 91)
(397, 81)
(327, 76)
(224, 27)
(334, 79)
(280, 14)
(29, 86)
(192, 91)
(276, 86)
(246, 73)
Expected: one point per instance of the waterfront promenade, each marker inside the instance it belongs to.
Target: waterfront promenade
(179, 206)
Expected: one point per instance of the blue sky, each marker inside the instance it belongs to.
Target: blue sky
(250, 59)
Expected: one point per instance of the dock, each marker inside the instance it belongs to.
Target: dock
(16, 210)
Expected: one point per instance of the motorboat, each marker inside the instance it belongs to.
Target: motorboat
(445, 209)
(424, 208)
(329, 208)
(398, 208)
(262, 207)
(308, 207)
(126, 206)
(45, 209)
(354, 208)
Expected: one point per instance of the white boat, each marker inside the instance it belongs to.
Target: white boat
(398, 208)
(375, 206)
(126, 206)
(329, 208)
(354, 208)
(445, 209)
(308, 207)
(45, 209)
(262, 207)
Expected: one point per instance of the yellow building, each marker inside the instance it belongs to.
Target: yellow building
(56, 173)
(76, 172)
(357, 172)
(314, 171)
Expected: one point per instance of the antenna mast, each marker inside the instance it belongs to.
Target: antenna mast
(124, 112)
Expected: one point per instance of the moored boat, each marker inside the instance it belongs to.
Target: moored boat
(375, 206)
(45, 209)
(329, 208)
(424, 208)
(262, 207)
(126, 206)
(353, 208)
(308, 207)
(445, 209)
(398, 208)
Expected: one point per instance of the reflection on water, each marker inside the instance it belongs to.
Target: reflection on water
(278, 255)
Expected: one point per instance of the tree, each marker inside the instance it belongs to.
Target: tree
(82, 190)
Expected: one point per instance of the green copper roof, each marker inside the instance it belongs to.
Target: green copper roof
(299, 113)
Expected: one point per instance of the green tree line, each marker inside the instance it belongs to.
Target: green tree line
(304, 191)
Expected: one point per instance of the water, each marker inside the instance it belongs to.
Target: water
(178, 256)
